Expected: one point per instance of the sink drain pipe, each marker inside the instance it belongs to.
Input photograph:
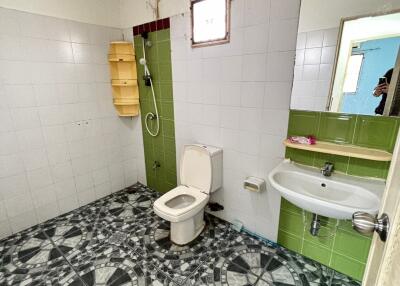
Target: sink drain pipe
(315, 225)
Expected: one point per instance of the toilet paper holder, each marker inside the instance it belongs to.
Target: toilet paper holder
(254, 184)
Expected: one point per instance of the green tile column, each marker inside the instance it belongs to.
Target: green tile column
(162, 147)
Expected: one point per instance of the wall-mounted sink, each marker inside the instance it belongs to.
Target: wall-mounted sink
(338, 196)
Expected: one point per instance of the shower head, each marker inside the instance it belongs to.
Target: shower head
(142, 61)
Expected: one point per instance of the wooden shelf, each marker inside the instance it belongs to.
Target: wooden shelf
(121, 58)
(123, 70)
(126, 101)
(343, 150)
(124, 82)
(121, 48)
(124, 78)
(127, 110)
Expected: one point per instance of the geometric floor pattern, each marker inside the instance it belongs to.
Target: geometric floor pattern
(119, 240)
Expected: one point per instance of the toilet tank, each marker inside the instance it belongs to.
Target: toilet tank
(201, 167)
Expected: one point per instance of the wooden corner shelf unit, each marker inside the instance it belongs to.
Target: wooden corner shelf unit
(121, 57)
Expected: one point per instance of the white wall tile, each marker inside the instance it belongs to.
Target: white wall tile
(312, 56)
(231, 94)
(35, 159)
(255, 39)
(15, 185)
(314, 39)
(11, 165)
(23, 221)
(39, 178)
(285, 9)
(252, 94)
(57, 29)
(20, 96)
(9, 22)
(256, 12)
(30, 139)
(280, 66)
(310, 72)
(45, 94)
(25, 118)
(250, 109)
(315, 66)
(55, 107)
(328, 55)
(231, 68)
(282, 36)
(330, 37)
(254, 67)
(7, 143)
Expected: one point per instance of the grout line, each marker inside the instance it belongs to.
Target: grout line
(63, 255)
(333, 243)
(66, 260)
(151, 263)
(264, 269)
(333, 272)
(304, 217)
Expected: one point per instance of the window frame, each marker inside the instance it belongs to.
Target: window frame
(215, 42)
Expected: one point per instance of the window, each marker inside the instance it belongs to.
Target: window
(353, 73)
(210, 22)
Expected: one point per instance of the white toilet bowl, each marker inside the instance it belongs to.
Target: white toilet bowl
(200, 174)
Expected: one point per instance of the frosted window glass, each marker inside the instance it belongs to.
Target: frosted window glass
(209, 20)
(353, 73)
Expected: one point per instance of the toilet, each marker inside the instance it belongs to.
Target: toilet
(200, 174)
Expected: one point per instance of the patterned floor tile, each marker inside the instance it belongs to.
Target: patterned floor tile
(340, 279)
(113, 263)
(43, 266)
(119, 240)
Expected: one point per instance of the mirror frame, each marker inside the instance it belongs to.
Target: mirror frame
(396, 71)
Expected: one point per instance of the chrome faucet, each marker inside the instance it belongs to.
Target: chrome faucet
(327, 169)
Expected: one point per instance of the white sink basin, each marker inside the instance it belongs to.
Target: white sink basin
(338, 196)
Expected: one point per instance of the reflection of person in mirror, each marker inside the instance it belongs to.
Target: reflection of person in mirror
(381, 90)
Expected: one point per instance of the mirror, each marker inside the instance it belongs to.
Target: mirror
(348, 58)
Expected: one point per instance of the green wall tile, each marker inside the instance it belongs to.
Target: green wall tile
(162, 147)
(290, 241)
(302, 123)
(352, 244)
(169, 127)
(167, 110)
(336, 127)
(166, 91)
(287, 206)
(368, 168)
(376, 132)
(164, 52)
(324, 239)
(163, 35)
(300, 156)
(348, 266)
(346, 249)
(316, 252)
(292, 223)
(165, 72)
(169, 143)
(152, 53)
(346, 225)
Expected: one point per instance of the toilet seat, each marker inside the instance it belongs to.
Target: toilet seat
(180, 214)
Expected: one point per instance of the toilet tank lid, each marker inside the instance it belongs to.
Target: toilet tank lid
(212, 150)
